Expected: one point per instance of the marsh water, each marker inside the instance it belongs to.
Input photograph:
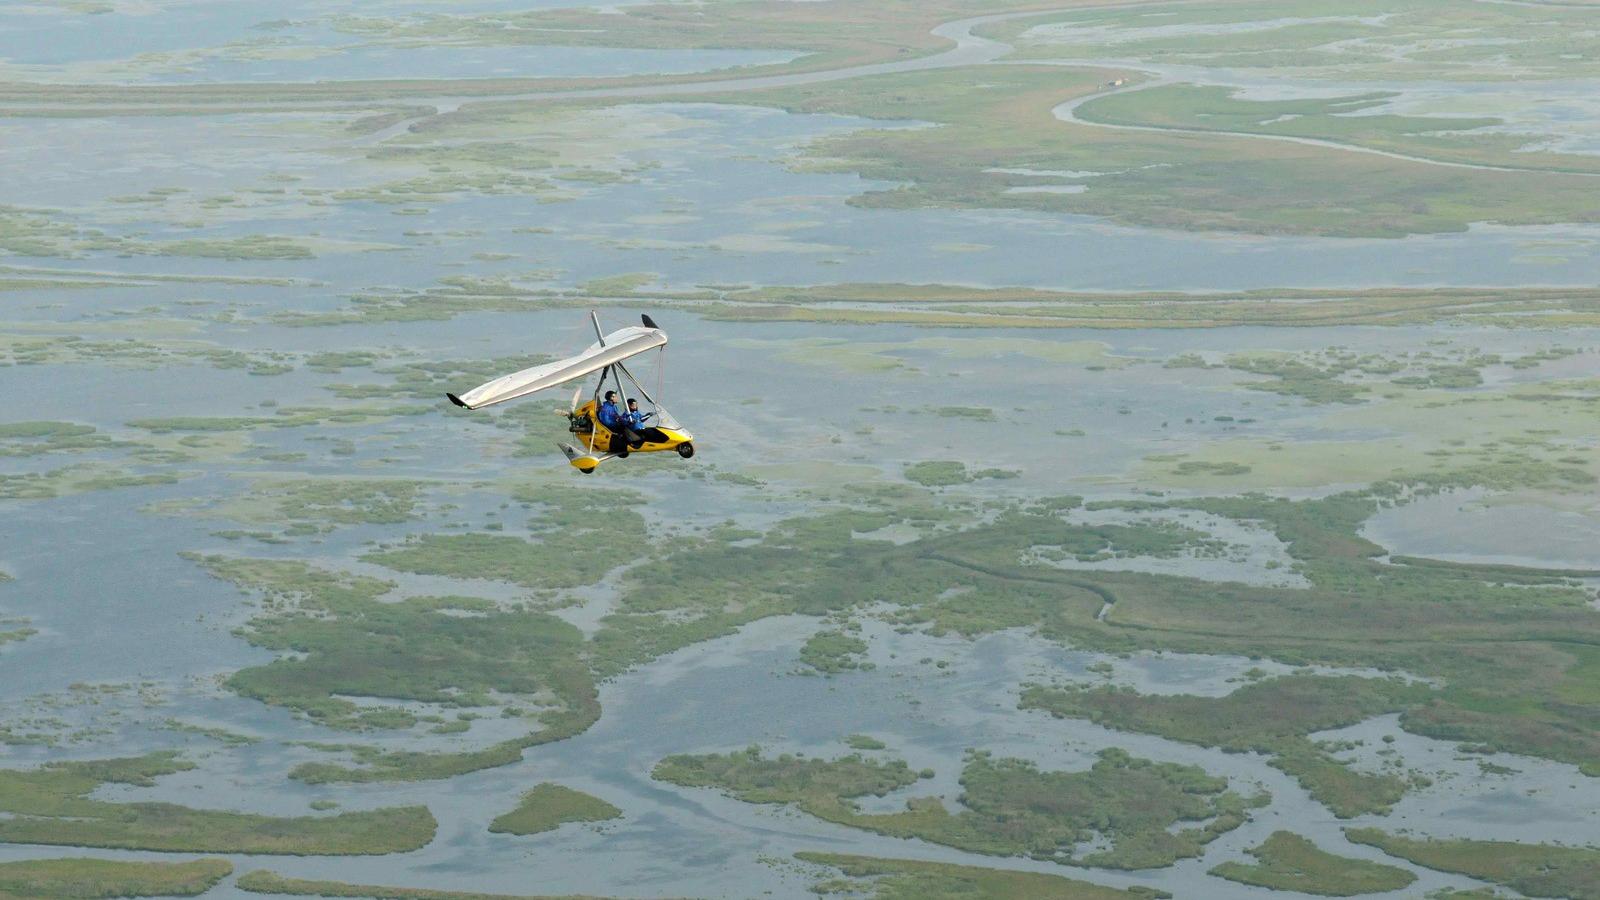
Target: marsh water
(101, 579)
(710, 196)
(714, 203)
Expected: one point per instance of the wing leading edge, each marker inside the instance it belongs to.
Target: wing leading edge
(619, 345)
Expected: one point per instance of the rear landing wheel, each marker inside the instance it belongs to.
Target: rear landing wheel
(686, 450)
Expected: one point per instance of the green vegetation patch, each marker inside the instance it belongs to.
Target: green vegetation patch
(36, 232)
(1010, 808)
(975, 413)
(1272, 716)
(1506, 438)
(85, 877)
(1507, 648)
(1337, 375)
(833, 35)
(256, 246)
(455, 296)
(284, 417)
(1204, 467)
(1537, 870)
(548, 151)
(1288, 862)
(379, 765)
(27, 232)
(432, 379)
(336, 361)
(1353, 120)
(571, 543)
(358, 656)
(311, 505)
(1343, 40)
(948, 306)
(944, 306)
(561, 560)
(548, 806)
(993, 121)
(831, 651)
(1096, 543)
(77, 479)
(905, 879)
(1300, 377)
(39, 343)
(346, 501)
(220, 735)
(39, 438)
(753, 778)
(938, 473)
(50, 805)
(944, 472)
(809, 565)
(263, 882)
(456, 651)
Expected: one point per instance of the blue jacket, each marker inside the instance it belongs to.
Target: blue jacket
(636, 420)
(610, 417)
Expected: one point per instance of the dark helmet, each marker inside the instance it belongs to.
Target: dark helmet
(611, 395)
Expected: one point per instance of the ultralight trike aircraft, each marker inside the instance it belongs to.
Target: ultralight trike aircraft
(597, 440)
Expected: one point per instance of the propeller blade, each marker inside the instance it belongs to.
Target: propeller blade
(576, 393)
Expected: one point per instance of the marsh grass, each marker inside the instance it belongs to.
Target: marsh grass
(1288, 862)
(50, 805)
(85, 878)
(1537, 870)
(1008, 807)
(905, 879)
(548, 806)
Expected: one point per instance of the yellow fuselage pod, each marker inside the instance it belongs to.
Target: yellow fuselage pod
(587, 425)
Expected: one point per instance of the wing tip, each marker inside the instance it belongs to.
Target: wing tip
(457, 401)
(649, 322)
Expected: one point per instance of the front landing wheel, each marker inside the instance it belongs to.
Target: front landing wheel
(686, 450)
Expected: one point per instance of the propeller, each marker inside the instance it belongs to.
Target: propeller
(576, 393)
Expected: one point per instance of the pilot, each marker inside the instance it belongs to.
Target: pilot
(639, 431)
(636, 418)
(609, 415)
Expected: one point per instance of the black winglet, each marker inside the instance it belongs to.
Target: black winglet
(457, 401)
(649, 322)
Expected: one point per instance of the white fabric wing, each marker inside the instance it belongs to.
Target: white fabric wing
(619, 345)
